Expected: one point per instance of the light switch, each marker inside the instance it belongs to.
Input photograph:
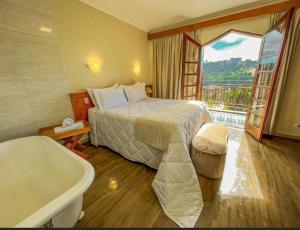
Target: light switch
(86, 100)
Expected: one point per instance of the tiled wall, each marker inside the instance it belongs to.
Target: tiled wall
(33, 89)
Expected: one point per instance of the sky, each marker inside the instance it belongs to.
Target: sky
(233, 45)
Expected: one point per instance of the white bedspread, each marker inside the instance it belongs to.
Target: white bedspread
(176, 183)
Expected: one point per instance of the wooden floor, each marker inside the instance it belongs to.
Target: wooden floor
(260, 188)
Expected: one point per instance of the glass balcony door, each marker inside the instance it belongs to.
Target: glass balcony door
(266, 76)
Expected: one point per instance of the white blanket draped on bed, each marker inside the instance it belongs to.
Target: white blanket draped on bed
(156, 128)
(176, 183)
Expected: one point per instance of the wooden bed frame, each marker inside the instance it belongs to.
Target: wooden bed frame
(81, 102)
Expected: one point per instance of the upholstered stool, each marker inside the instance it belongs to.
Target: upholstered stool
(209, 150)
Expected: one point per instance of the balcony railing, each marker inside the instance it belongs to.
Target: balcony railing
(227, 97)
(229, 117)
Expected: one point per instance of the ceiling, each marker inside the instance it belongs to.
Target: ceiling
(153, 14)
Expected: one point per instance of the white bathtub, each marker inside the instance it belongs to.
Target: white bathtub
(41, 181)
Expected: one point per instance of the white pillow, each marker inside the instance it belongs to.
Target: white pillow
(110, 98)
(92, 95)
(135, 93)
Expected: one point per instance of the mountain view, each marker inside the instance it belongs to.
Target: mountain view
(227, 84)
(228, 66)
(229, 72)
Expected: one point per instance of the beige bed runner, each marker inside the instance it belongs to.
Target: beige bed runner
(171, 129)
(156, 128)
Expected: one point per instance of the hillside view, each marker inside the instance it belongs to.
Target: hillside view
(229, 72)
(228, 69)
(227, 84)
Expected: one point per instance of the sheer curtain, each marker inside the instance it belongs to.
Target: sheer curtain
(288, 55)
(166, 60)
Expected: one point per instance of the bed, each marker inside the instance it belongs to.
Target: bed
(176, 183)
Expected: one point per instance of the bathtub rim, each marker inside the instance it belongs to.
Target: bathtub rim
(55, 206)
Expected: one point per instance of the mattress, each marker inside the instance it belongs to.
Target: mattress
(176, 184)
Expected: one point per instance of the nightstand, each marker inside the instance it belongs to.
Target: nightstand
(149, 90)
(70, 138)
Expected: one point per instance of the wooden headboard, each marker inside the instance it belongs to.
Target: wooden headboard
(81, 102)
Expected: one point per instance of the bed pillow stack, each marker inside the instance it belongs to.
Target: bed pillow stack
(110, 98)
(114, 96)
(92, 95)
(135, 93)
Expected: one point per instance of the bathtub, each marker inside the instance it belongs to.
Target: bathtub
(41, 182)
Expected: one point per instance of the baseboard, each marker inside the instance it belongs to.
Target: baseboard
(287, 136)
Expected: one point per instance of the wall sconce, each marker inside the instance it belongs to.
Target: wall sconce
(136, 68)
(94, 66)
(46, 29)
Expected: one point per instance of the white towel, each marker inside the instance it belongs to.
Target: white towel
(60, 129)
(67, 122)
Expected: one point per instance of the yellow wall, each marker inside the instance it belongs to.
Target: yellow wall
(86, 33)
(289, 110)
